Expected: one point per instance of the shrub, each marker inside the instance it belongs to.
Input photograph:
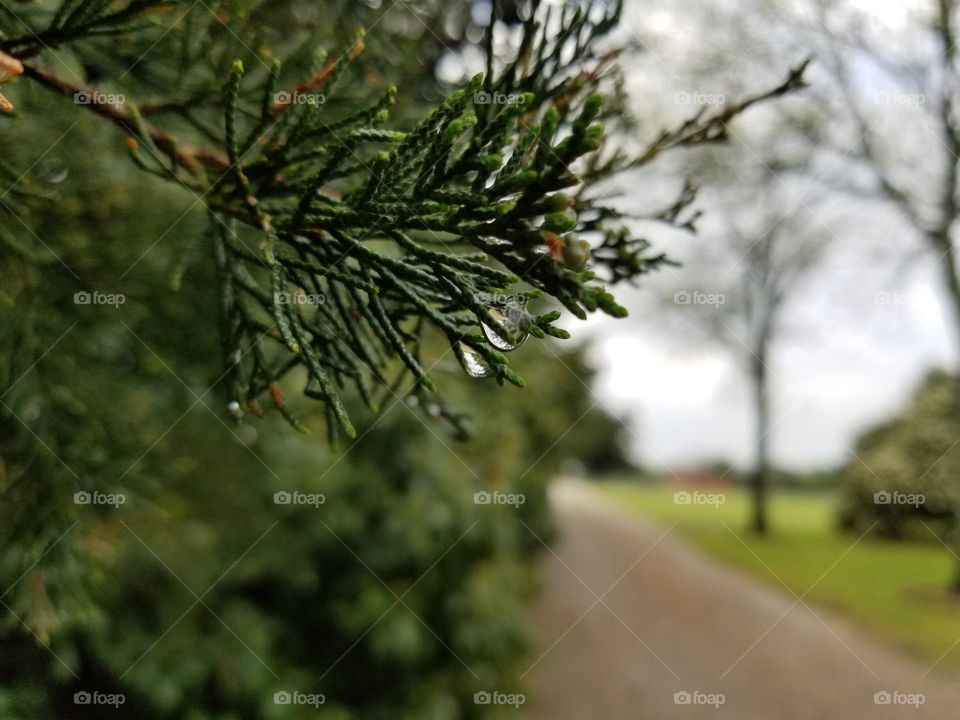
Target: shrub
(903, 477)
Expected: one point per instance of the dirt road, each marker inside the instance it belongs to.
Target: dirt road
(631, 615)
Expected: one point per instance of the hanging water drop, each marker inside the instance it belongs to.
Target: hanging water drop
(510, 316)
(233, 407)
(473, 363)
(53, 171)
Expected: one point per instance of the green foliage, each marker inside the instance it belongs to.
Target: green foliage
(126, 400)
(433, 230)
(913, 455)
(199, 499)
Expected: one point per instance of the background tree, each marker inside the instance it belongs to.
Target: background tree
(736, 292)
(903, 481)
(892, 91)
(758, 234)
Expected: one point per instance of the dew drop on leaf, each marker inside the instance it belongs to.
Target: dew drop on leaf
(473, 363)
(509, 316)
(53, 171)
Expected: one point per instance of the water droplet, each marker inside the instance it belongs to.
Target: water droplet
(233, 407)
(247, 435)
(472, 362)
(53, 171)
(510, 316)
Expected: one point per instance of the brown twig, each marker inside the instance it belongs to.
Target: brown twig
(9, 67)
(188, 157)
(714, 127)
(316, 80)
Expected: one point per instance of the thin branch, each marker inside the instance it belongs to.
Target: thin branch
(188, 157)
(711, 128)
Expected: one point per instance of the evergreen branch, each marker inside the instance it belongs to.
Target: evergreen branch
(76, 20)
(455, 223)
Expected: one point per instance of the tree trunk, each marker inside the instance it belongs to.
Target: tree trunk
(955, 583)
(759, 482)
(943, 242)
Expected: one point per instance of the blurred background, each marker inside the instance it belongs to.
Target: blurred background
(743, 497)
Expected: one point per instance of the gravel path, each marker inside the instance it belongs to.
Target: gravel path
(669, 621)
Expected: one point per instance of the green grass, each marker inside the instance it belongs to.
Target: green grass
(894, 589)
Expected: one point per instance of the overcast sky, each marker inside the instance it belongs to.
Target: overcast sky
(847, 361)
(838, 370)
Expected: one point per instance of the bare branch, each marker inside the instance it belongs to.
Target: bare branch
(714, 127)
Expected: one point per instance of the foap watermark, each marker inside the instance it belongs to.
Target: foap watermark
(484, 497)
(95, 497)
(85, 297)
(298, 297)
(886, 497)
(286, 98)
(895, 697)
(885, 298)
(685, 497)
(499, 98)
(86, 697)
(699, 98)
(900, 99)
(292, 697)
(501, 301)
(695, 697)
(693, 297)
(95, 97)
(495, 697)
(299, 498)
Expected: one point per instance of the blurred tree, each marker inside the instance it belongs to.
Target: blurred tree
(761, 247)
(756, 215)
(903, 479)
(922, 68)
(897, 100)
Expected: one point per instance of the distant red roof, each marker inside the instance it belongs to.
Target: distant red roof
(697, 478)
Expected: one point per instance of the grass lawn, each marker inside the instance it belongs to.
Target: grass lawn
(895, 589)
